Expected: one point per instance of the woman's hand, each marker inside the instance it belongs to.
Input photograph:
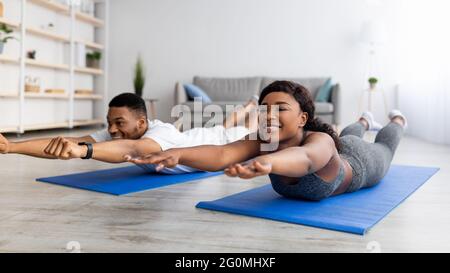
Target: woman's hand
(250, 169)
(166, 159)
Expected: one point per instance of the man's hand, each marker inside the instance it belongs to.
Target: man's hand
(250, 169)
(62, 148)
(167, 159)
(4, 145)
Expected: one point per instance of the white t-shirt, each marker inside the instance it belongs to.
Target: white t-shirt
(167, 136)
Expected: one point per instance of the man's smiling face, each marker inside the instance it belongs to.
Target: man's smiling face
(125, 124)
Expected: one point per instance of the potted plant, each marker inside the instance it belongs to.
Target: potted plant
(31, 54)
(373, 83)
(4, 36)
(93, 59)
(139, 77)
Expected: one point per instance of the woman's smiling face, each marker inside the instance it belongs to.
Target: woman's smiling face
(280, 117)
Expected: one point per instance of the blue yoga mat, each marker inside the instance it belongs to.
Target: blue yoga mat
(353, 212)
(123, 180)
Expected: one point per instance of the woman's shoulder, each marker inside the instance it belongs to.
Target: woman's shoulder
(313, 136)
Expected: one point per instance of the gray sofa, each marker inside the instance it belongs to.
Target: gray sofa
(237, 91)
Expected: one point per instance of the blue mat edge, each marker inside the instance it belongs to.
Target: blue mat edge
(208, 206)
(83, 188)
(349, 229)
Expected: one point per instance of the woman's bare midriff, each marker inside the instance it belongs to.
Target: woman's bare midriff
(330, 172)
(348, 176)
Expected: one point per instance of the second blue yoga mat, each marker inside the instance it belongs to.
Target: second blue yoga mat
(353, 212)
(124, 180)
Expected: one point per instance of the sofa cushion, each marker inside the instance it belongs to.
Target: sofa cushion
(193, 91)
(324, 107)
(229, 89)
(312, 84)
(324, 93)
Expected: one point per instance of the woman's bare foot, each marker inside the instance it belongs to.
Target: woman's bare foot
(240, 115)
(251, 103)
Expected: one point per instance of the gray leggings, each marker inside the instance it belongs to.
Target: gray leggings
(369, 161)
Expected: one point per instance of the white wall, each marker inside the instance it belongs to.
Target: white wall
(238, 38)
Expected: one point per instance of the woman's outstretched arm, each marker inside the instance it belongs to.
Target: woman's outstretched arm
(315, 154)
(206, 157)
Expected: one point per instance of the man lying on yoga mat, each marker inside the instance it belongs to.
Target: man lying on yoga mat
(129, 131)
(310, 161)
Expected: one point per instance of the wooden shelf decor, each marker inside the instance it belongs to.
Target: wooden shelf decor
(42, 64)
(8, 59)
(9, 23)
(47, 34)
(52, 5)
(64, 9)
(91, 99)
(87, 70)
(86, 18)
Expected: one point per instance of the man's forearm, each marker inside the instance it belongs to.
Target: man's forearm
(115, 151)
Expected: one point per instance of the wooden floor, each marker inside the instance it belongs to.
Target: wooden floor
(39, 217)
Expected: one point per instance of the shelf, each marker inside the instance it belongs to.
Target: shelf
(91, 44)
(88, 97)
(87, 122)
(86, 18)
(71, 18)
(30, 95)
(51, 5)
(7, 59)
(47, 34)
(8, 95)
(9, 23)
(87, 70)
(64, 67)
(32, 127)
(47, 65)
(56, 125)
(64, 9)
(9, 129)
(46, 96)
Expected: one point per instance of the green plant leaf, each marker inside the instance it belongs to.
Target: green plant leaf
(139, 77)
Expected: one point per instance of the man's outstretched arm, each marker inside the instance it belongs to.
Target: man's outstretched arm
(34, 147)
(110, 151)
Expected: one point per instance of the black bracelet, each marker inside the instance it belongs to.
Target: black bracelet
(90, 150)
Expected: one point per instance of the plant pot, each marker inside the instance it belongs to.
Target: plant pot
(373, 86)
(92, 63)
(1, 47)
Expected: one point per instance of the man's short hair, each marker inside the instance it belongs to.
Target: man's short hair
(131, 101)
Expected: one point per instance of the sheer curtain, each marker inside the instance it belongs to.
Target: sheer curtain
(424, 67)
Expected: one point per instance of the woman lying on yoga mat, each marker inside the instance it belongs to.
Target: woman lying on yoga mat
(311, 162)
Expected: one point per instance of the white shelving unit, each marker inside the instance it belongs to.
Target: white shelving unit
(69, 105)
